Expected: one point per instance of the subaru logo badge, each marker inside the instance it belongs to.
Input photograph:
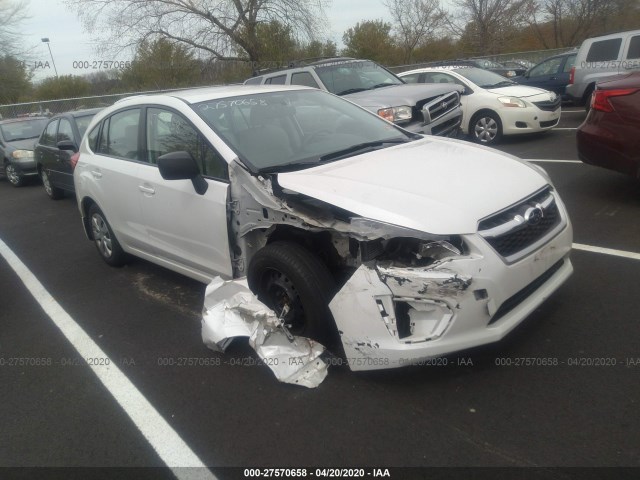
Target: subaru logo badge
(534, 215)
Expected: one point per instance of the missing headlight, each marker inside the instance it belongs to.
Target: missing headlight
(413, 252)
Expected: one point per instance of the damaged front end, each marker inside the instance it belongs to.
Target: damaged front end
(402, 295)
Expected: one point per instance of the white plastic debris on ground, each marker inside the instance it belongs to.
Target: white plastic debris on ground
(231, 310)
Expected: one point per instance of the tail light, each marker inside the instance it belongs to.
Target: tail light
(600, 99)
(572, 75)
(74, 160)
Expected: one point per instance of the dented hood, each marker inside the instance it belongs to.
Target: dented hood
(396, 95)
(439, 186)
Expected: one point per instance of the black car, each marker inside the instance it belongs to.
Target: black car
(551, 74)
(17, 137)
(55, 148)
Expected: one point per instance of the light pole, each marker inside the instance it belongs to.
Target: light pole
(46, 40)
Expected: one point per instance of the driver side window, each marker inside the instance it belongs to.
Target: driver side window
(168, 132)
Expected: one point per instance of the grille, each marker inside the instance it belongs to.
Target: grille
(549, 123)
(549, 106)
(449, 128)
(515, 300)
(430, 110)
(516, 230)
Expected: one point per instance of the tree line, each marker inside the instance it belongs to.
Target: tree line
(178, 43)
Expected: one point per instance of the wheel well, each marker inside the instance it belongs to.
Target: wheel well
(587, 91)
(86, 205)
(318, 243)
(480, 112)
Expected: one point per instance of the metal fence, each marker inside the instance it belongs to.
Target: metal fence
(52, 107)
(534, 56)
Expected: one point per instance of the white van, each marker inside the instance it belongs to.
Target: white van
(601, 57)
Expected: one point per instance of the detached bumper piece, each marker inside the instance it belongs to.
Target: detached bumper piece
(231, 310)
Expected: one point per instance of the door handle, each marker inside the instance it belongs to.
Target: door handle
(147, 190)
(96, 174)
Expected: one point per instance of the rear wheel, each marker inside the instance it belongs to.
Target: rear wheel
(54, 193)
(284, 274)
(106, 242)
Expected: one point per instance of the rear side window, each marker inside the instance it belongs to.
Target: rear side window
(120, 135)
(65, 132)
(253, 81)
(634, 48)
(604, 50)
(279, 80)
(304, 78)
(83, 123)
(49, 135)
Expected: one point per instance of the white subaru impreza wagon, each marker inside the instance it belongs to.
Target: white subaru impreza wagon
(407, 246)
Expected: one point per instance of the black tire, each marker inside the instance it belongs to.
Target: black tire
(54, 193)
(285, 273)
(485, 128)
(13, 175)
(106, 242)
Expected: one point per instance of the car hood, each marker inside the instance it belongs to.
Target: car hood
(438, 186)
(27, 144)
(397, 95)
(522, 91)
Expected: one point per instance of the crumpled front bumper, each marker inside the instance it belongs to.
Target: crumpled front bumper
(391, 317)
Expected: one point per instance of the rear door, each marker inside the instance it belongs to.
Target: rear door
(112, 178)
(184, 227)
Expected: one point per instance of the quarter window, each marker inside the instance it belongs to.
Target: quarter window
(168, 132)
(413, 78)
(604, 50)
(49, 135)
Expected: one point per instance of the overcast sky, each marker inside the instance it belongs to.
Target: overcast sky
(69, 43)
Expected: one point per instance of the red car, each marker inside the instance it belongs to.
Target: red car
(610, 135)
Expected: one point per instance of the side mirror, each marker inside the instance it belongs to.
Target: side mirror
(182, 166)
(67, 145)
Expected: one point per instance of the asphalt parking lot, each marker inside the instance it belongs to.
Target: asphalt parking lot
(485, 408)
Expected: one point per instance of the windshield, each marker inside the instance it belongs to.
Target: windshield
(290, 130)
(23, 130)
(343, 78)
(483, 78)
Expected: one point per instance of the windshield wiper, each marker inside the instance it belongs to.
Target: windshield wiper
(288, 167)
(504, 83)
(351, 90)
(349, 151)
(385, 84)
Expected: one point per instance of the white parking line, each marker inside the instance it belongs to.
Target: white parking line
(565, 128)
(607, 251)
(574, 111)
(173, 451)
(549, 160)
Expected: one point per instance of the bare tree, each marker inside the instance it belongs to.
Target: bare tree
(416, 21)
(11, 15)
(488, 25)
(214, 29)
(571, 21)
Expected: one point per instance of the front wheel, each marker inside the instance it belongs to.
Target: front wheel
(486, 128)
(14, 177)
(285, 274)
(106, 242)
